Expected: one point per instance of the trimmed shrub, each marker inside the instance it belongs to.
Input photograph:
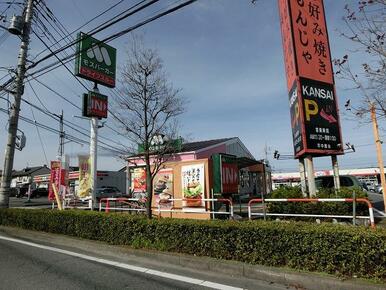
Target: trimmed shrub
(325, 208)
(336, 249)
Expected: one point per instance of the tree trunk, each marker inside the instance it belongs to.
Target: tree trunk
(149, 188)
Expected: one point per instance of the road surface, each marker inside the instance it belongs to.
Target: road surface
(31, 265)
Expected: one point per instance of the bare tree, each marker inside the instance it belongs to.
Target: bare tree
(148, 109)
(366, 27)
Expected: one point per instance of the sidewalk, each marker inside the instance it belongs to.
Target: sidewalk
(282, 276)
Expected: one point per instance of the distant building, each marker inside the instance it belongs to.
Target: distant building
(367, 175)
(22, 179)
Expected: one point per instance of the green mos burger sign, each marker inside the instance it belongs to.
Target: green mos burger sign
(95, 60)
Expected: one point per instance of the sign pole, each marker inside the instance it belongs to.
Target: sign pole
(335, 169)
(310, 175)
(93, 153)
(302, 171)
(379, 151)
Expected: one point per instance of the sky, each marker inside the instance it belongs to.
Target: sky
(226, 57)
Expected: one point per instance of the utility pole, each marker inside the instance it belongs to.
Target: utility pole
(61, 153)
(379, 151)
(93, 153)
(14, 114)
(61, 137)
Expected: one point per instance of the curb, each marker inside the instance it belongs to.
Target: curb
(282, 276)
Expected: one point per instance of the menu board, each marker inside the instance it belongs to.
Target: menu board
(138, 182)
(193, 186)
(163, 188)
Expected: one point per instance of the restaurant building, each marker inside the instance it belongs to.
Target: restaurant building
(198, 171)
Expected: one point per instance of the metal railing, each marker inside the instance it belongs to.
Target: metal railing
(188, 209)
(127, 204)
(264, 213)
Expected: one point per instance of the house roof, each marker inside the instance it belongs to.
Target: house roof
(27, 171)
(195, 146)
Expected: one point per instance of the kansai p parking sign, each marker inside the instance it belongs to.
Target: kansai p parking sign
(310, 81)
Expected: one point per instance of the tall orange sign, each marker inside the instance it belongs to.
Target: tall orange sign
(310, 81)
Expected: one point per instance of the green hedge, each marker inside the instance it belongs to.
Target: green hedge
(342, 250)
(327, 208)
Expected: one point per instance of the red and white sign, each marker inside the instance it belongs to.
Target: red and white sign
(230, 179)
(97, 106)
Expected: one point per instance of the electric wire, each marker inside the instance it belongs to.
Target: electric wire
(110, 111)
(80, 27)
(48, 56)
(67, 136)
(66, 122)
(40, 137)
(114, 37)
(9, 6)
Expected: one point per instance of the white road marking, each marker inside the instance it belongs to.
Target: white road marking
(127, 266)
(381, 213)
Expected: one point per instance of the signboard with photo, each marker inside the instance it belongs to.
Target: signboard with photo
(193, 186)
(138, 182)
(163, 188)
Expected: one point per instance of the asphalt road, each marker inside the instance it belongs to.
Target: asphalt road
(42, 202)
(40, 267)
(377, 200)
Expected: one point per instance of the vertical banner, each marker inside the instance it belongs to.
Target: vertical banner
(138, 182)
(313, 104)
(163, 188)
(64, 175)
(84, 189)
(54, 178)
(193, 186)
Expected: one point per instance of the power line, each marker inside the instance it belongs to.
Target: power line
(40, 137)
(110, 111)
(112, 37)
(97, 30)
(66, 122)
(9, 6)
(80, 27)
(57, 118)
(67, 136)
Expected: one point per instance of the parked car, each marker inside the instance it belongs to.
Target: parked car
(370, 186)
(108, 191)
(378, 189)
(345, 181)
(38, 192)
